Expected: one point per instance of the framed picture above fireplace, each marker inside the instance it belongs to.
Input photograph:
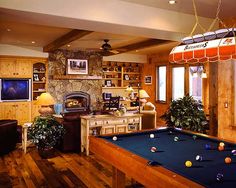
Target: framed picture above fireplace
(77, 66)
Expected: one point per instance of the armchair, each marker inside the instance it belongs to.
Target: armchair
(149, 116)
(8, 135)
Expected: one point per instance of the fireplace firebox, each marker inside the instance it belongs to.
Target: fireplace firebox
(77, 101)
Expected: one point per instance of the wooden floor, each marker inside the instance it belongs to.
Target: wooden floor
(21, 170)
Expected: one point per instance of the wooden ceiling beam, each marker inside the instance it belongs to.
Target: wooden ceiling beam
(141, 45)
(65, 39)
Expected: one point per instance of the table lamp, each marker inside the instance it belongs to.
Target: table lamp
(143, 97)
(46, 101)
(130, 90)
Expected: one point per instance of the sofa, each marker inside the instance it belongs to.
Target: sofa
(149, 116)
(8, 135)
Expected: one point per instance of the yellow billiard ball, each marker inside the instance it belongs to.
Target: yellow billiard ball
(188, 164)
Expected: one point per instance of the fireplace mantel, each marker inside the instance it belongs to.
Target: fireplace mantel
(75, 77)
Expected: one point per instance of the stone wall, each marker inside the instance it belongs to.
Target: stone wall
(57, 66)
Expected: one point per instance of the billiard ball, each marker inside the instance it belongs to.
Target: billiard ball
(170, 132)
(176, 138)
(152, 135)
(199, 158)
(207, 146)
(114, 138)
(153, 149)
(233, 152)
(221, 148)
(194, 137)
(228, 160)
(188, 164)
(222, 144)
(219, 177)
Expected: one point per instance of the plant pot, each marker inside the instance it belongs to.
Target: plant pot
(46, 153)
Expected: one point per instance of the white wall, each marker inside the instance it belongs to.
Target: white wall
(135, 58)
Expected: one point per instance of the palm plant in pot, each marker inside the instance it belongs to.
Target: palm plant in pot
(46, 133)
(186, 113)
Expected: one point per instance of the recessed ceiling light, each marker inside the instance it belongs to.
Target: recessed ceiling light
(172, 2)
(8, 29)
(33, 42)
(68, 45)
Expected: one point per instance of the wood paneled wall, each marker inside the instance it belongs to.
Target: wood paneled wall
(226, 128)
(150, 70)
(226, 93)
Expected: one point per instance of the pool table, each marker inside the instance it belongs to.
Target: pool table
(131, 155)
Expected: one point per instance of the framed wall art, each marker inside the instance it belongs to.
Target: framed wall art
(108, 83)
(77, 66)
(148, 79)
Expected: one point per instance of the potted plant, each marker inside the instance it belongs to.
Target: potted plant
(186, 113)
(46, 133)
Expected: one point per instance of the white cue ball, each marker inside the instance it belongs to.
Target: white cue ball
(114, 138)
(152, 136)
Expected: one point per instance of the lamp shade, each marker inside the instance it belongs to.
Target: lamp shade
(45, 99)
(204, 75)
(143, 94)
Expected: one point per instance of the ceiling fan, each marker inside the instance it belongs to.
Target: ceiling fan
(107, 49)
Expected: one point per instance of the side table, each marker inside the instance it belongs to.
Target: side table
(24, 136)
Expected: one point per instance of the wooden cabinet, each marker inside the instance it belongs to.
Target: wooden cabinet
(15, 68)
(6, 67)
(23, 67)
(107, 124)
(118, 74)
(39, 79)
(34, 110)
(21, 111)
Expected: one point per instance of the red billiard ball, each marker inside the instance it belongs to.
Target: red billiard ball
(153, 149)
(221, 148)
(228, 160)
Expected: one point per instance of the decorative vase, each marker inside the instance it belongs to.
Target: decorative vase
(46, 153)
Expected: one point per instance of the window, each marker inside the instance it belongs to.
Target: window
(195, 82)
(177, 82)
(161, 83)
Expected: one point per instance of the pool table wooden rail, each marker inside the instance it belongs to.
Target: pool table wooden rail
(127, 163)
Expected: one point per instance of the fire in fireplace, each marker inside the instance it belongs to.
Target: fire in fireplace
(77, 101)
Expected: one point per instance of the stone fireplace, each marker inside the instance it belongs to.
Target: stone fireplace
(78, 101)
(59, 88)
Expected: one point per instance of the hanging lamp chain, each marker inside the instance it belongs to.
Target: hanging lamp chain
(217, 17)
(197, 20)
